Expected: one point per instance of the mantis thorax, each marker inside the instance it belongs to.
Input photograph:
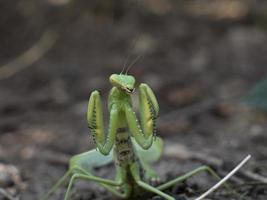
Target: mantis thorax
(119, 98)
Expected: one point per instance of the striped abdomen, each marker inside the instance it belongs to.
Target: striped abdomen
(124, 151)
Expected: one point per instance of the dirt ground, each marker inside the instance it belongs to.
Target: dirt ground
(200, 58)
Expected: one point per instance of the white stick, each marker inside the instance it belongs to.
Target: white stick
(216, 186)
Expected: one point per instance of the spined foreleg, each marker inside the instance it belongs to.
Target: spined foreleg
(149, 109)
(95, 123)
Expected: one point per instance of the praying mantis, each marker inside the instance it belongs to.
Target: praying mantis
(132, 145)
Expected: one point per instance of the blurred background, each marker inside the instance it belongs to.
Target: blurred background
(202, 59)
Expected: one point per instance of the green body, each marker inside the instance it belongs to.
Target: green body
(132, 146)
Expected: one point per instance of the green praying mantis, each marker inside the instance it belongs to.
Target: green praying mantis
(133, 146)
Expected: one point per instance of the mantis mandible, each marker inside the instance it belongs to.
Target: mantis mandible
(133, 146)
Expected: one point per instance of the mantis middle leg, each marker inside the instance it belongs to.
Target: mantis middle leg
(108, 184)
(136, 175)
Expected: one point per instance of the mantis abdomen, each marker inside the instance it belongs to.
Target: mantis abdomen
(124, 152)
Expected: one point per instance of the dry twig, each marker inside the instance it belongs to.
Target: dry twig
(254, 177)
(194, 109)
(180, 151)
(221, 182)
(56, 158)
(30, 56)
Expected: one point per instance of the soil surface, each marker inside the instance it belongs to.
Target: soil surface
(200, 58)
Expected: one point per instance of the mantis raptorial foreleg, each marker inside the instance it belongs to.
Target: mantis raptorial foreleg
(95, 121)
(149, 110)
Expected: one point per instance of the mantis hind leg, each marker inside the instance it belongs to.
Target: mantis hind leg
(58, 184)
(188, 175)
(87, 160)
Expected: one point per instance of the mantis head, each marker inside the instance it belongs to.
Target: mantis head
(123, 82)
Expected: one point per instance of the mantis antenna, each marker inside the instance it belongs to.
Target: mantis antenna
(125, 63)
(132, 64)
(128, 56)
